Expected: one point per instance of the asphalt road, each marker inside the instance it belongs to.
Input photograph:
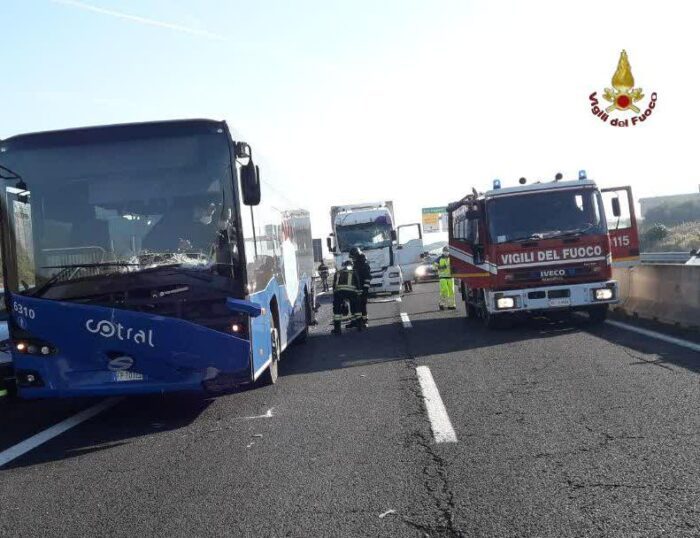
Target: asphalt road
(562, 430)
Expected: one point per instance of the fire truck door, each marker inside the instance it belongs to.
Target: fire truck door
(622, 225)
(467, 251)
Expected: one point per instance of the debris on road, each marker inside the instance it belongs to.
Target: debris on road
(388, 512)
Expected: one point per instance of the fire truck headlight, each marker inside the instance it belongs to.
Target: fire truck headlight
(503, 303)
(603, 294)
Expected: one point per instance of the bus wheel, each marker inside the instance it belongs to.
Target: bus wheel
(269, 377)
(308, 320)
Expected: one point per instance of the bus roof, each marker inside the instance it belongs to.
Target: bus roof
(111, 133)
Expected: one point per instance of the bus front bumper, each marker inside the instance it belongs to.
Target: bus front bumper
(41, 378)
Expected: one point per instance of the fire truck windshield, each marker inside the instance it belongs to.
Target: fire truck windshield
(545, 215)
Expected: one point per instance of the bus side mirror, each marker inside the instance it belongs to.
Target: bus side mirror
(250, 183)
(616, 207)
(394, 236)
(246, 307)
(329, 244)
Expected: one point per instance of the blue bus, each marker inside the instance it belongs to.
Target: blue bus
(147, 258)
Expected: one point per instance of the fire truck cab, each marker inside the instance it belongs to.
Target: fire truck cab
(541, 247)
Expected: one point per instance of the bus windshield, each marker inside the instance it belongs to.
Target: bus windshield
(118, 204)
(545, 215)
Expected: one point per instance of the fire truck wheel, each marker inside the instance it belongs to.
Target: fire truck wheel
(597, 314)
(491, 321)
(472, 312)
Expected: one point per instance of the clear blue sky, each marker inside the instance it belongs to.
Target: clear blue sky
(351, 101)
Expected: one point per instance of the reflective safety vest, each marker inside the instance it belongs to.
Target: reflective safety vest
(346, 280)
(444, 270)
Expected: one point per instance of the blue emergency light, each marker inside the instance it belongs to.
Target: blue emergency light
(581, 174)
(496, 183)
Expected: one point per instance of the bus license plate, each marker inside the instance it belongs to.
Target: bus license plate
(560, 301)
(128, 376)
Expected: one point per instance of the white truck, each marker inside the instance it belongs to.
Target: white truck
(370, 226)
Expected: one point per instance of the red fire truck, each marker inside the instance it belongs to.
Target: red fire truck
(541, 247)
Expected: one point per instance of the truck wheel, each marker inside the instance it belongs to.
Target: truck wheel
(471, 309)
(491, 321)
(270, 375)
(598, 314)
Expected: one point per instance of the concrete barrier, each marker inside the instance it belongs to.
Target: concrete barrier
(666, 293)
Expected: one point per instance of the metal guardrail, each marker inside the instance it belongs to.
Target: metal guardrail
(665, 257)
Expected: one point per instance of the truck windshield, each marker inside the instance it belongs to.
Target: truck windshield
(118, 204)
(366, 235)
(545, 215)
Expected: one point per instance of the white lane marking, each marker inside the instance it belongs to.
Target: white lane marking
(439, 419)
(398, 299)
(654, 334)
(406, 320)
(40, 438)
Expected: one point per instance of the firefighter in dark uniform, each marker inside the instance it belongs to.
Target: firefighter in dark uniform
(363, 270)
(346, 287)
(323, 273)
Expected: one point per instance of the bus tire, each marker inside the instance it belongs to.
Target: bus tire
(269, 376)
(304, 335)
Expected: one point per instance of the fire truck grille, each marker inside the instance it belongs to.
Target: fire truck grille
(552, 275)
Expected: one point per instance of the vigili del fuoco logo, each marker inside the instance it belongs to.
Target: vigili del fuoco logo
(625, 99)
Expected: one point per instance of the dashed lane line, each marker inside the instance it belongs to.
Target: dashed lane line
(654, 334)
(406, 320)
(21, 448)
(443, 432)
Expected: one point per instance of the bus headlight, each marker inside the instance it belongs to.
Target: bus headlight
(420, 271)
(603, 294)
(28, 347)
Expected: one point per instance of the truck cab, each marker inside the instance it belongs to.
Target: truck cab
(370, 227)
(541, 247)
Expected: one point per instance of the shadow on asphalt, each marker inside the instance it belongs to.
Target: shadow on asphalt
(134, 417)
(666, 353)
(450, 332)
